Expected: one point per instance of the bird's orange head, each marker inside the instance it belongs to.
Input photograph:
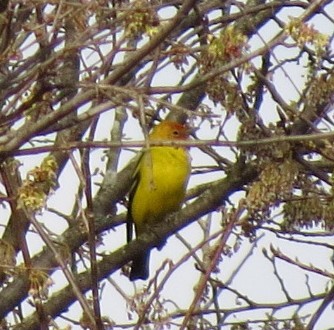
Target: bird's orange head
(170, 130)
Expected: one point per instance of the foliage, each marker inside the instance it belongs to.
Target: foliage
(83, 81)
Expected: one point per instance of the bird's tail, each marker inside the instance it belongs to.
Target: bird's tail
(140, 267)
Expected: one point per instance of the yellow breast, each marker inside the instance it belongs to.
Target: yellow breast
(163, 177)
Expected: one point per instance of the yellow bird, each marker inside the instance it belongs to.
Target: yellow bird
(159, 187)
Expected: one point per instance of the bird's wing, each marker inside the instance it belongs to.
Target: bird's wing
(135, 182)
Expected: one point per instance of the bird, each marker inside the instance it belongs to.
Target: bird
(159, 186)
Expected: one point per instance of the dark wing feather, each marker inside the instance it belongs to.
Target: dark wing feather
(129, 219)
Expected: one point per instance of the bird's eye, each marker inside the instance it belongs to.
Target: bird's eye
(175, 133)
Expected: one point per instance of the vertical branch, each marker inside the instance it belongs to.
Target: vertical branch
(67, 83)
(18, 223)
(91, 230)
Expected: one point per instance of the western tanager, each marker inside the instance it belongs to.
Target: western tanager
(159, 187)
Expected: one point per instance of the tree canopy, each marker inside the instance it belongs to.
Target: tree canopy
(83, 82)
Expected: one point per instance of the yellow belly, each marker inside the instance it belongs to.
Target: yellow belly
(163, 177)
